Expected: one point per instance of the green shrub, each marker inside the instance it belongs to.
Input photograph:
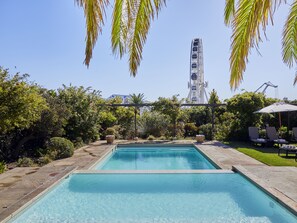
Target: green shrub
(153, 123)
(283, 132)
(206, 130)
(44, 160)
(25, 162)
(151, 137)
(190, 129)
(59, 148)
(78, 142)
(163, 138)
(110, 131)
(228, 128)
(2, 166)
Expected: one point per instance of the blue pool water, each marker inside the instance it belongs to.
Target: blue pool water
(155, 158)
(188, 198)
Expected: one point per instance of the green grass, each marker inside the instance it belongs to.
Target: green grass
(267, 155)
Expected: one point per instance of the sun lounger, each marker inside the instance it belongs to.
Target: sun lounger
(288, 149)
(254, 136)
(273, 136)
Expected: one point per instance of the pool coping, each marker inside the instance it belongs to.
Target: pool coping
(110, 150)
(192, 145)
(37, 197)
(150, 171)
(277, 195)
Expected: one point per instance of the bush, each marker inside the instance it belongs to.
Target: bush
(110, 131)
(78, 142)
(2, 166)
(151, 137)
(59, 148)
(190, 129)
(205, 130)
(25, 162)
(44, 160)
(229, 127)
(283, 132)
(153, 123)
(163, 138)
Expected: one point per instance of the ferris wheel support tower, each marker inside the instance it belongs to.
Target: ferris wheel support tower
(196, 84)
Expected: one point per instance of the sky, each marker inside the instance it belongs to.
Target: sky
(46, 39)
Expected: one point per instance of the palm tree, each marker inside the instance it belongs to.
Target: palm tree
(246, 18)
(136, 100)
(131, 21)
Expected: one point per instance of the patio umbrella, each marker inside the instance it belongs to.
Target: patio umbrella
(278, 107)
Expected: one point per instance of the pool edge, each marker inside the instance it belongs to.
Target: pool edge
(36, 197)
(275, 194)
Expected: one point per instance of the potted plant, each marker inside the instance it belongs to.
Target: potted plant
(200, 138)
(110, 132)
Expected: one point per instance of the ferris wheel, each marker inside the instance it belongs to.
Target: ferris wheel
(196, 84)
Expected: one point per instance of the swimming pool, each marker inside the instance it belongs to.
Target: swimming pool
(155, 158)
(156, 198)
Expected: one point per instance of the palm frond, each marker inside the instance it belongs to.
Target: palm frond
(120, 18)
(250, 15)
(159, 4)
(295, 80)
(143, 13)
(290, 37)
(229, 11)
(94, 11)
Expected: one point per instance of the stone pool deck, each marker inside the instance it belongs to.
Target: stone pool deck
(20, 185)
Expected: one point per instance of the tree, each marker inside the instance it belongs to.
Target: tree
(243, 107)
(31, 141)
(214, 98)
(21, 104)
(137, 100)
(118, 117)
(83, 122)
(170, 107)
(247, 19)
(20, 108)
(154, 123)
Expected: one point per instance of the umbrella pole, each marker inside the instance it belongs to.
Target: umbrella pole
(280, 119)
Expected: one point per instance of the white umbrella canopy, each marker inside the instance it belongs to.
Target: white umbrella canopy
(278, 107)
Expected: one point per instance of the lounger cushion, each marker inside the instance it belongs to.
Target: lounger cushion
(289, 147)
(280, 141)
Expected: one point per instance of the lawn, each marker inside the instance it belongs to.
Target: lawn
(267, 155)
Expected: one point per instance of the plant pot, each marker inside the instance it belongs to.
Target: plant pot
(110, 139)
(200, 138)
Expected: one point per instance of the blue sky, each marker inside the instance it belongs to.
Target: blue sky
(46, 39)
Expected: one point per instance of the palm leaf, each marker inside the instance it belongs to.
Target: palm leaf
(120, 26)
(143, 13)
(250, 15)
(94, 11)
(229, 11)
(290, 37)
